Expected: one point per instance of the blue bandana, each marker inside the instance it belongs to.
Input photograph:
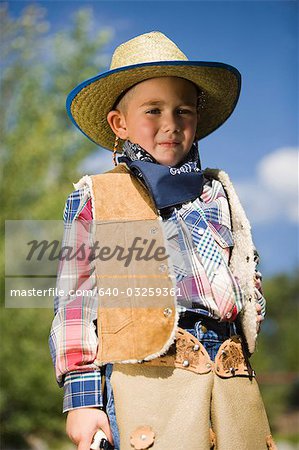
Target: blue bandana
(168, 186)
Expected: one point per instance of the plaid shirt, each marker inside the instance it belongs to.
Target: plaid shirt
(200, 239)
(73, 337)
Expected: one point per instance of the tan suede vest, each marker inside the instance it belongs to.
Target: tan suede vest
(135, 321)
(133, 324)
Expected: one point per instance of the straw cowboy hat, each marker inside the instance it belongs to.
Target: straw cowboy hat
(147, 56)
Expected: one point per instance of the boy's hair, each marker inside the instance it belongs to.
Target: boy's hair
(123, 100)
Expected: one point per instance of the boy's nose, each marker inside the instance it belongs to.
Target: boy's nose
(170, 123)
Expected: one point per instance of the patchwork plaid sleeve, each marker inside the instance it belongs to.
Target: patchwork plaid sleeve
(73, 338)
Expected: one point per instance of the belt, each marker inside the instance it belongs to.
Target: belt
(188, 319)
(189, 354)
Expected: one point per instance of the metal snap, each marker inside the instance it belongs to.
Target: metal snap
(196, 347)
(186, 363)
(167, 312)
(162, 268)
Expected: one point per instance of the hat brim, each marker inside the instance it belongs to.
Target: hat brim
(90, 102)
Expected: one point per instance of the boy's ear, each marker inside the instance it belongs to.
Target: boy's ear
(117, 122)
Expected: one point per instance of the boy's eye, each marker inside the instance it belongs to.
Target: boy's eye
(153, 111)
(184, 111)
(179, 111)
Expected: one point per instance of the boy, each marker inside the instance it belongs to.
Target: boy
(184, 311)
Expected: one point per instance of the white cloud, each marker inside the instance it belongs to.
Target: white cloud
(273, 193)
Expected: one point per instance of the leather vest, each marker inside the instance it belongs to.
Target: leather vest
(137, 307)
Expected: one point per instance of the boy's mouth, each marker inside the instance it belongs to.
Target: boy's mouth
(169, 143)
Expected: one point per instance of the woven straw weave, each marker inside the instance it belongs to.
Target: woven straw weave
(148, 56)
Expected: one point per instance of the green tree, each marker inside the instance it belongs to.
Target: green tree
(276, 358)
(41, 153)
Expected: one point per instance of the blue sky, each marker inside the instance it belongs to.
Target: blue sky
(258, 145)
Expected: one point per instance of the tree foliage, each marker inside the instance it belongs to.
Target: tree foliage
(40, 157)
(41, 152)
(276, 358)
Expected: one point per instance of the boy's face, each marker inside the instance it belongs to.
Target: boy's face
(160, 114)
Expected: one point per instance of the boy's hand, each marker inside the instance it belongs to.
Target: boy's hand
(83, 423)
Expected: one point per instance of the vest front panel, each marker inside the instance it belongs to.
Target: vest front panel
(136, 292)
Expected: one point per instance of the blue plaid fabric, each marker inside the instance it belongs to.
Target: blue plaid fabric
(225, 289)
(82, 389)
(199, 241)
(75, 204)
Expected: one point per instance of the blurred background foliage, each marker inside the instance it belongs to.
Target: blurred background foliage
(41, 154)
